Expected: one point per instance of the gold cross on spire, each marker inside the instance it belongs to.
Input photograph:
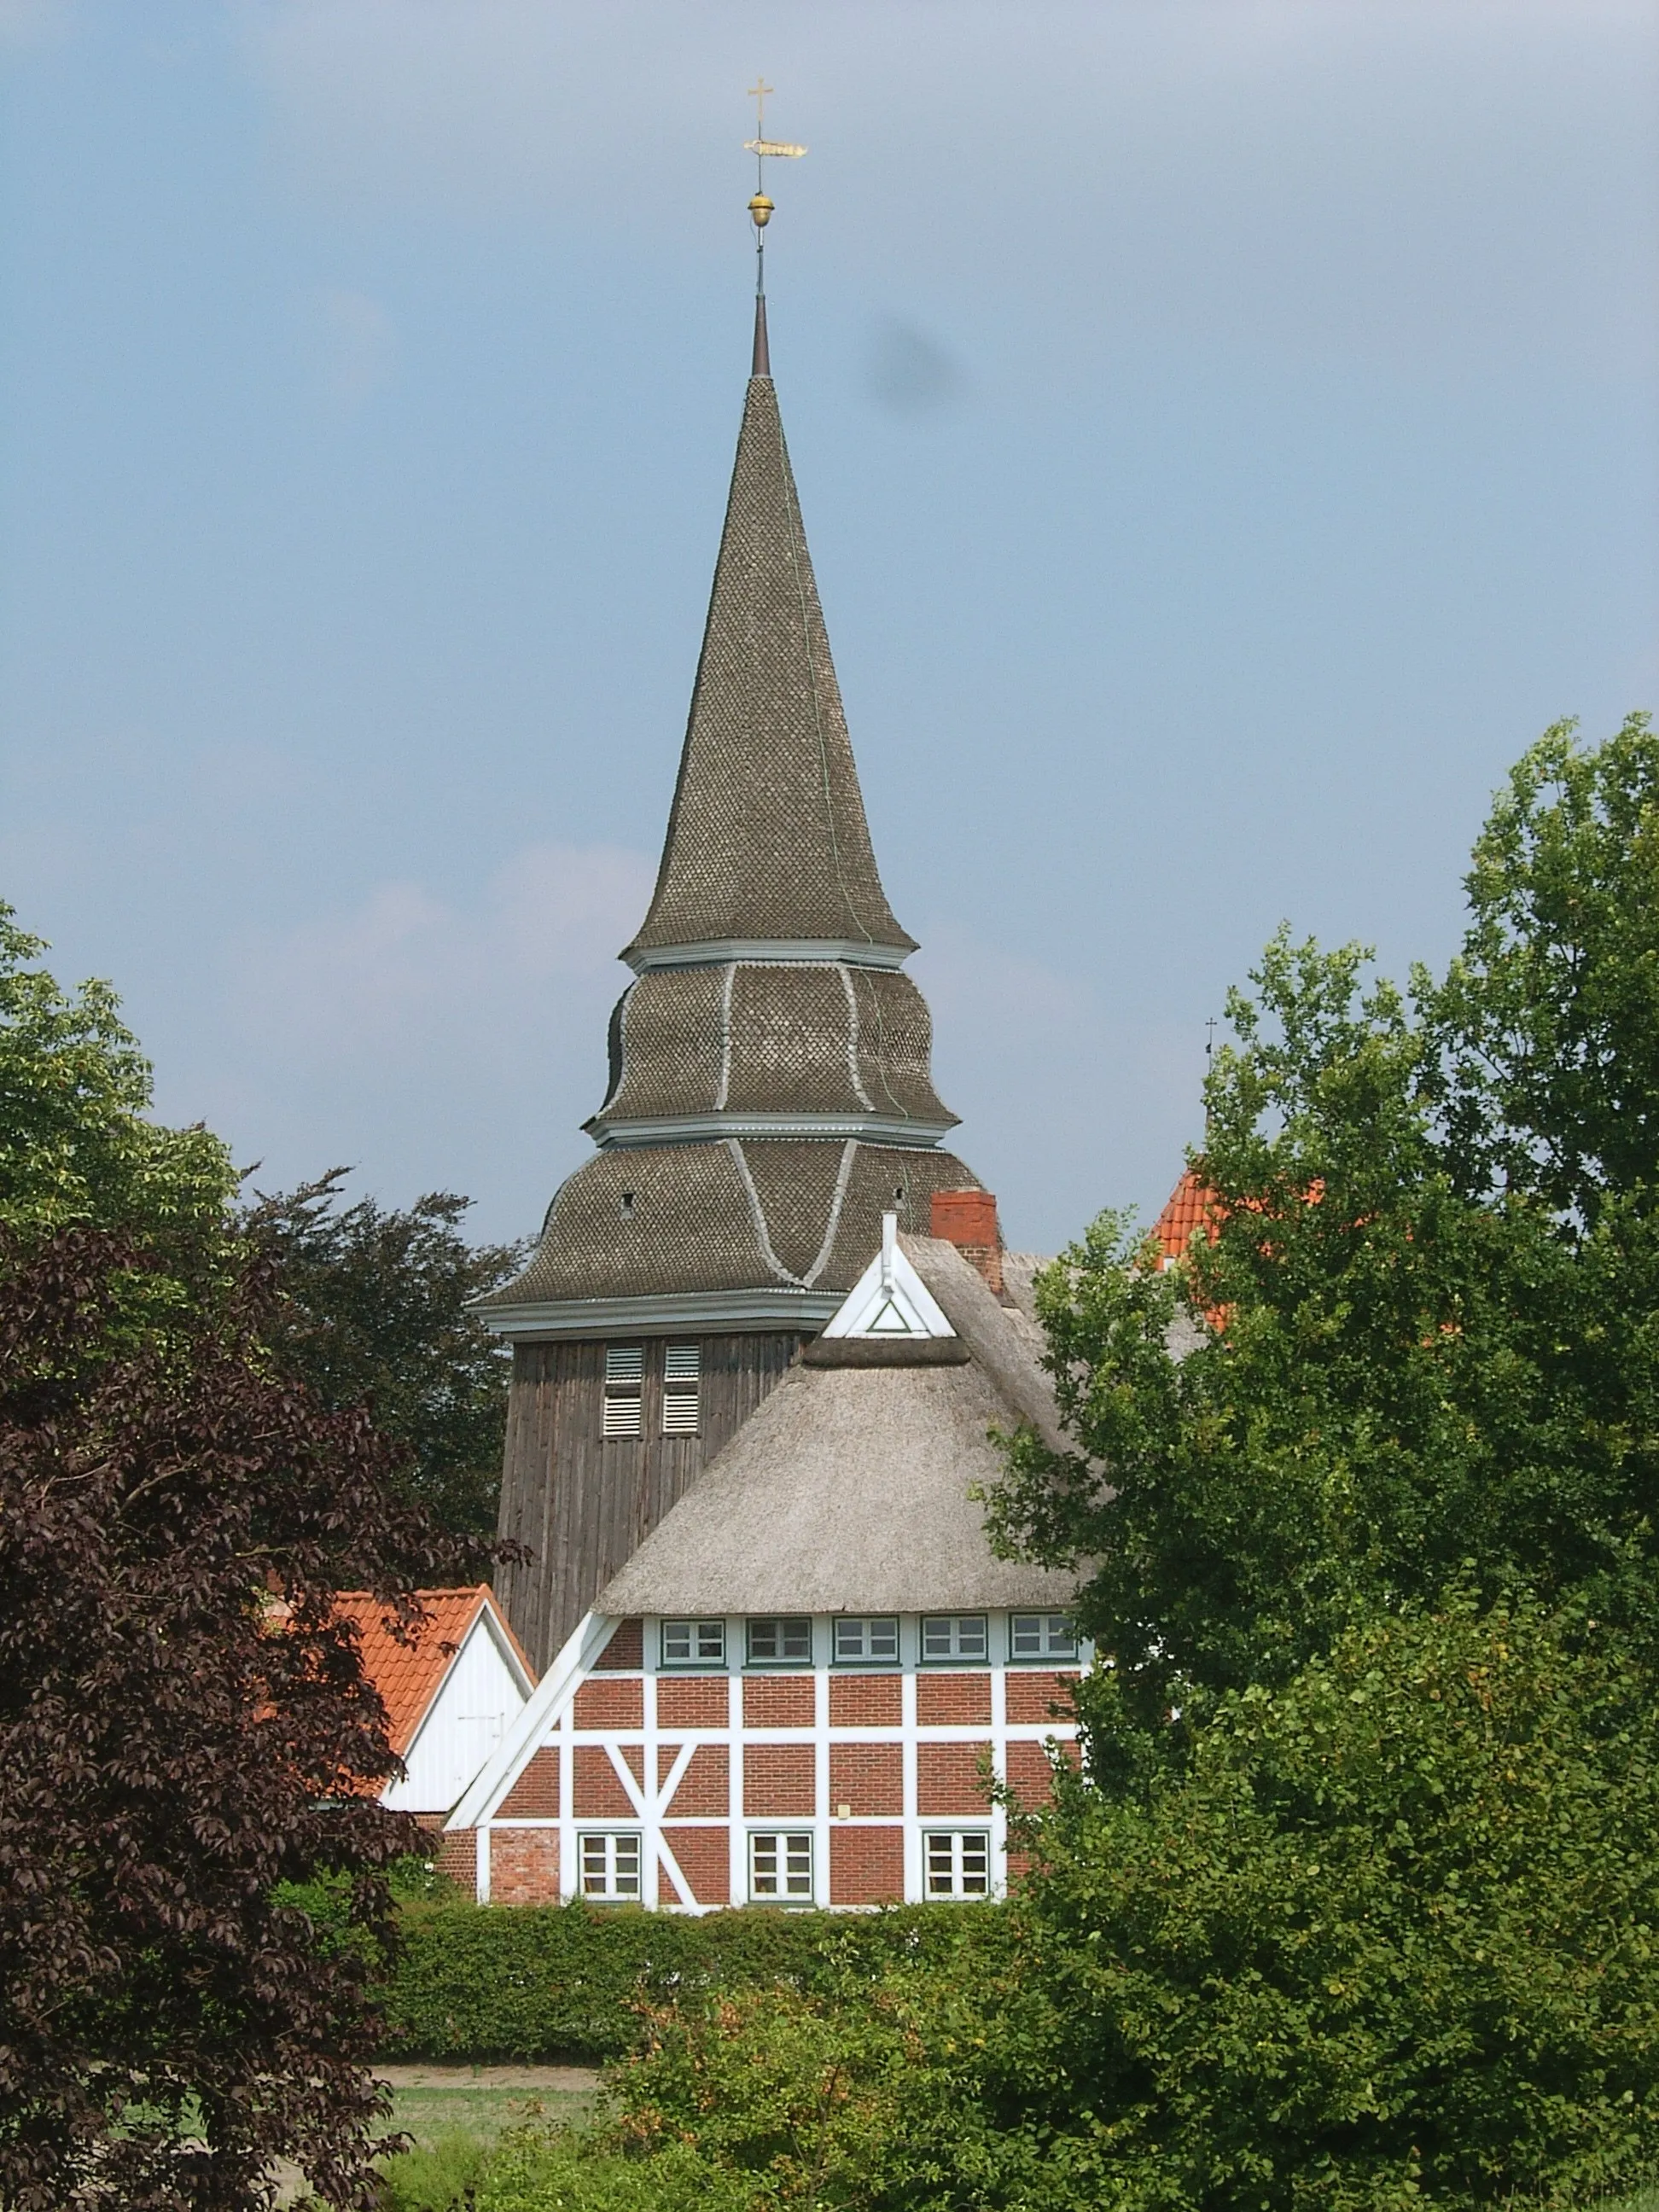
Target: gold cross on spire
(757, 93)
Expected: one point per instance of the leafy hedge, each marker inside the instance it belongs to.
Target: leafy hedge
(537, 1984)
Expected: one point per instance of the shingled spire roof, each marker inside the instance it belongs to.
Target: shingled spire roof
(771, 1092)
(767, 844)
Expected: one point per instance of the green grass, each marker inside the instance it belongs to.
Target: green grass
(483, 2112)
(455, 2129)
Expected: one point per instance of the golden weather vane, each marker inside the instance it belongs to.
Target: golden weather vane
(764, 149)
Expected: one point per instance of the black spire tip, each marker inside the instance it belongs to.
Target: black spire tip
(762, 364)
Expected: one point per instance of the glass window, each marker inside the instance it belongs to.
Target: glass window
(682, 1378)
(866, 1642)
(611, 1866)
(694, 1644)
(780, 1865)
(955, 1636)
(956, 1861)
(1041, 1636)
(624, 1386)
(775, 1643)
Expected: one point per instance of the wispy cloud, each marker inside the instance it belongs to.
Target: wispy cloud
(443, 1042)
(405, 975)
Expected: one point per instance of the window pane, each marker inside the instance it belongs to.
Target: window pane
(764, 1865)
(936, 1640)
(693, 1643)
(798, 1865)
(976, 1865)
(627, 1865)
(849, 1639)
(884, 1639)
(778, 1643)
(1025, 1636)
(1062, 1637)
(971, 1642)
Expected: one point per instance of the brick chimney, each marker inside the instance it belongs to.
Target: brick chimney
(968, 1219)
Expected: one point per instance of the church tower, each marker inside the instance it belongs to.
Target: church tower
(770, 1094)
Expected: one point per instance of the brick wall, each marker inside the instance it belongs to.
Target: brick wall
(597, 1789)
(778, 1781)
(1033, 1693)
(626, 1648)
(457, 1857)
(968, 1219)
(535, 1795)
(867, 1778)
(953, 1700)
(1030, 1775)
(865, 1700)
(705, 1859)
(778, 1701)
(691, 1701)
(705, 1786)
(948, 1778)
(616, 1703)
(866, 1866)
(523, 1866)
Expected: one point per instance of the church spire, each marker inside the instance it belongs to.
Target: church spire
(768, 846)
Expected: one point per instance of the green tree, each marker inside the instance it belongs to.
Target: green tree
(1426, 1349)
(377, 1311)
(77, 1144)
(184, 1727)
(1385, 1935)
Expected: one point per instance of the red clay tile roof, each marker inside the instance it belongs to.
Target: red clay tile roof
(1189, 1207)
(408, 1676)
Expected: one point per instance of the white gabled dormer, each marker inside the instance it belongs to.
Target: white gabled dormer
(889, 1298)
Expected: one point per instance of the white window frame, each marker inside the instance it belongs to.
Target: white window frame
(797, 1661)
(682, 1389)
(705, 1641)
(792, 1855)
(613, 1845)
(964, 1859)
(622, 1413)
(1051, 1650)
(867, 1625)
(952, 1625)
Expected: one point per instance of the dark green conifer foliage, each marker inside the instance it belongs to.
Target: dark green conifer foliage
(375, 1312)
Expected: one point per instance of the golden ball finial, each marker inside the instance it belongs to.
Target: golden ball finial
(760, 210)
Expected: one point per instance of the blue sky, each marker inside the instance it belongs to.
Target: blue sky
(1226, 433)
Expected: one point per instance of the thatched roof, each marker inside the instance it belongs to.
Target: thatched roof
(848, 1490)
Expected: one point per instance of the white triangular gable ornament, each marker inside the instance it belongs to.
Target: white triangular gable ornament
(889, 1298)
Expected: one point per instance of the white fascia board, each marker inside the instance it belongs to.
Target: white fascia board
(485, 1622)
(716, 951)
(889, 1287)
(529, 1732)
(705, 1128)
(711, 1311)
(491, 1620)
